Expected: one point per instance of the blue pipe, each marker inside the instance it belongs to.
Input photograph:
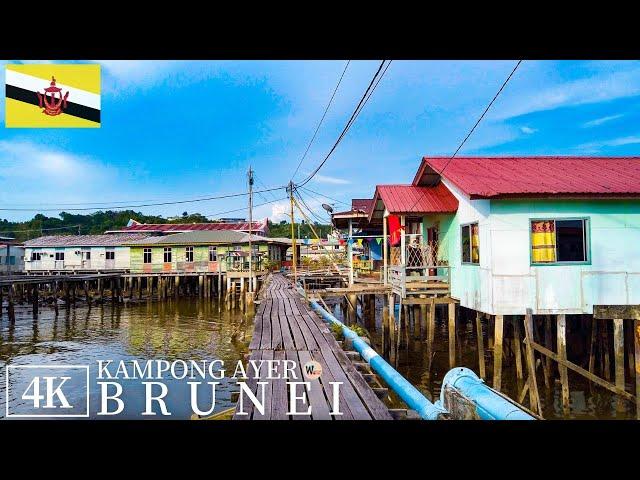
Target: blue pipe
(409, 394)
(490, 405)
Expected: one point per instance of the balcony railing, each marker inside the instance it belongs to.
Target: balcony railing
(422, 280)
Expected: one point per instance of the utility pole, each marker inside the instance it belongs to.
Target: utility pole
(250, 175)
(293, 236)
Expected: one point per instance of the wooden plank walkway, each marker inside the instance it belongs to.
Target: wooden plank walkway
(286, 328)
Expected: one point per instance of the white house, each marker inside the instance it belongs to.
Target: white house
(11, 258)
(79, 253)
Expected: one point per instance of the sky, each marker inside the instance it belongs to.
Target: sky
(179, 130)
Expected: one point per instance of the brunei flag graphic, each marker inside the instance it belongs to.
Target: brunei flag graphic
(52, 96)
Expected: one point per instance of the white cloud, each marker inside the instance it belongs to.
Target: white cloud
(39, 176)
(599, 121)
(528, 130)
(330, 180)
(601, 86)
(593, 147)
(279, 211)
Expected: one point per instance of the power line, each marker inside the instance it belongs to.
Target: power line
(365, 98)
(335, 90)
(307, 189)
(41, 229)
(244, 208)
(504, 84)
(309, 210)
(475, 125)
(219, 197)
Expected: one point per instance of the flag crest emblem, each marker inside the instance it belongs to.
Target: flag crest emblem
(52, 96)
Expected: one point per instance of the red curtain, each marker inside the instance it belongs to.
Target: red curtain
(395, 230)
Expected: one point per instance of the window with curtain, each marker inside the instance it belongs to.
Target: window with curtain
(470, 244)
(558, 241)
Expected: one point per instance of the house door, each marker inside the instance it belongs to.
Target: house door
(85, 257)
(110, 258)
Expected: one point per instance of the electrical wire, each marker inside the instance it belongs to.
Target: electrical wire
(219, 197)
(335, 90)
(244, 208)
(41, 229)
(504, 84)
(361, 104)
(307, 189)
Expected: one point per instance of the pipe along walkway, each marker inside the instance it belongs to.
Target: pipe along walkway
(459, 383)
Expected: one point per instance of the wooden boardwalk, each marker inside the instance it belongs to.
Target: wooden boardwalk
(286, 328)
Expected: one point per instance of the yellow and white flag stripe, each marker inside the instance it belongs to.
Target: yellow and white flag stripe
(52, 96)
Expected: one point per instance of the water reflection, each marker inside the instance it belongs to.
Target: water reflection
(187, 329)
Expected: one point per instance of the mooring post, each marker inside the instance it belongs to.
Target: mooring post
(481, 364)
(452, 334)
(10, 310)
(55, 297)
(562, 354)
(618, 350)
(497, 352)
(86, 292)
(534, 397)
(34, 298)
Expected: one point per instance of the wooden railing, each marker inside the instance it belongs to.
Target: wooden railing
(423, 280)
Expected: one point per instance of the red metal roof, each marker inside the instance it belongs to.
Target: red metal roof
(191, 227)
(362, 204)
(414, 199)
(491, 177)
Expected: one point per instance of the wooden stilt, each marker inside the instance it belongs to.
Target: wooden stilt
(546, 362)
(431, 332)
(452, 334)
(534, 397)
(636, 342)
(481, 364)
(618, 356)
(517, 347)
(605, 349)
(562, 353)
(592, 346)
(497, 352)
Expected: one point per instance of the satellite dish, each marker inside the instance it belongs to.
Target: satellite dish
(328, 208)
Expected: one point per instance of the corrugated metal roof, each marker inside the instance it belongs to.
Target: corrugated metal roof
(413, 199)
(107, 240)
(259, 226)
(362, 204)
(201, 237)
(487, 177)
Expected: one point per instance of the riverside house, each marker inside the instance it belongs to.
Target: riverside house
(557, 235)
(79, 253)
(204, 251)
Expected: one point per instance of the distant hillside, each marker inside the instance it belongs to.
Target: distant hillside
(283, 229)
(100, 222)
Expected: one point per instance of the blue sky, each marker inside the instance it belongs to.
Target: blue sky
(188, 129)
